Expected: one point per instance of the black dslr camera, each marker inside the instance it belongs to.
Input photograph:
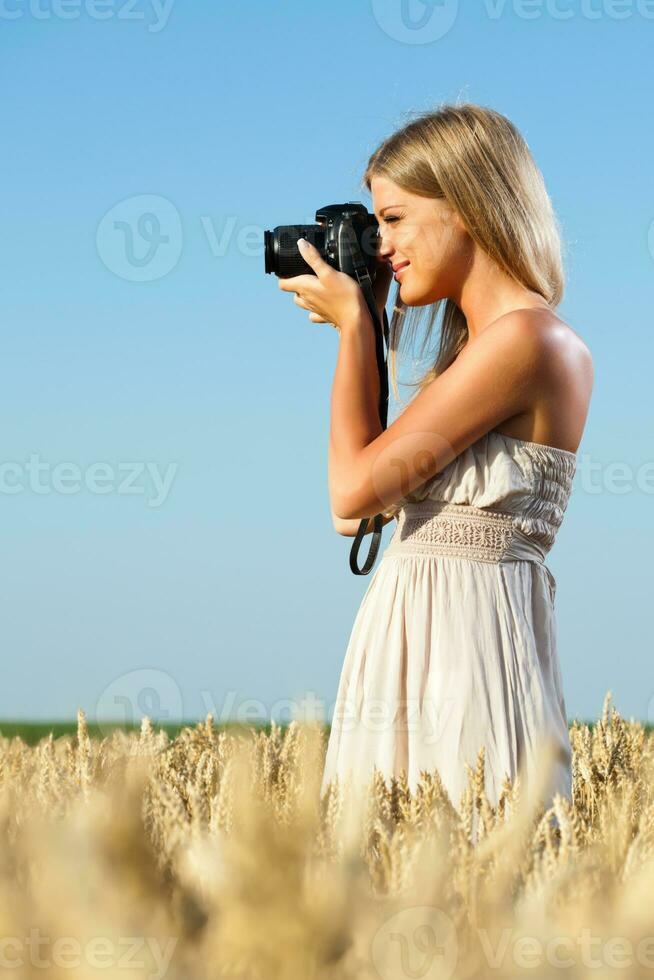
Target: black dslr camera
(347, 237)
(343, 233)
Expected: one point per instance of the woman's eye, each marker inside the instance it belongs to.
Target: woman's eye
(391, 217)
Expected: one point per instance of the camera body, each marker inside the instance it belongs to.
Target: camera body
(344, 234)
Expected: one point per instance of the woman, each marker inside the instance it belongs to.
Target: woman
(454, 644)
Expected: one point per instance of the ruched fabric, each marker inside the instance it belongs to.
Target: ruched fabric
(454, 643)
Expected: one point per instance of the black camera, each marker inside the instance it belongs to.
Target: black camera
(346, 235)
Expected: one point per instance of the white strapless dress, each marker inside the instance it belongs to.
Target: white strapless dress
(454, 643)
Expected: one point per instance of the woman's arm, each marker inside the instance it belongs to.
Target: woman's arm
(349, 528)
(354, 416)
(343, 526)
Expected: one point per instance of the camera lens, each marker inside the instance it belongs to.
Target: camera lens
(281, 254)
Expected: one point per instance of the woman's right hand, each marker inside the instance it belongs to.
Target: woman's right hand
(380, 289)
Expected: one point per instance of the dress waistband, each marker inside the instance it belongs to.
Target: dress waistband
(461, 530)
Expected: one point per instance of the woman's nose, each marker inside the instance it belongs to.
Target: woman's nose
(384, 248)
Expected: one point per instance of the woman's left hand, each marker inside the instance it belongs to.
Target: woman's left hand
(330, 296)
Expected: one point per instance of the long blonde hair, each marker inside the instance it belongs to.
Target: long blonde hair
(475, 159)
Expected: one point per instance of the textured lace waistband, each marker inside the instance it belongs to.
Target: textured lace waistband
(460, 530)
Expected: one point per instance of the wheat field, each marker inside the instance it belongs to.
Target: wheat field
(214, 855)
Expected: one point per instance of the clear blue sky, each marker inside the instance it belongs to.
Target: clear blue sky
(228, 583)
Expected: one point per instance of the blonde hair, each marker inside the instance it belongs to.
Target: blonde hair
(475, 159)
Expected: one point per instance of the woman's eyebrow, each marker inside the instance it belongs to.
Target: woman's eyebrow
(387, 206)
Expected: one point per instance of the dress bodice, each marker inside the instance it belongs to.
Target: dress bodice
(530, 481)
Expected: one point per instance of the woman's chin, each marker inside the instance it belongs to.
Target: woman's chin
(411, 297)
(418, 297)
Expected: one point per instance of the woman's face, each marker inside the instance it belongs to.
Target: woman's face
(427, 234)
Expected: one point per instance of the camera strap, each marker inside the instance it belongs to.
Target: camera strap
(381, 336)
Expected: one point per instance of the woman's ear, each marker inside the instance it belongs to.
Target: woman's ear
(457, 220)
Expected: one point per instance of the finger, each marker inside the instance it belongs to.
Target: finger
(319, 319)
(312, 257)
(293, 283)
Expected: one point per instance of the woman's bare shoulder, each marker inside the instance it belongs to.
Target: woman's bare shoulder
(565, 346)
